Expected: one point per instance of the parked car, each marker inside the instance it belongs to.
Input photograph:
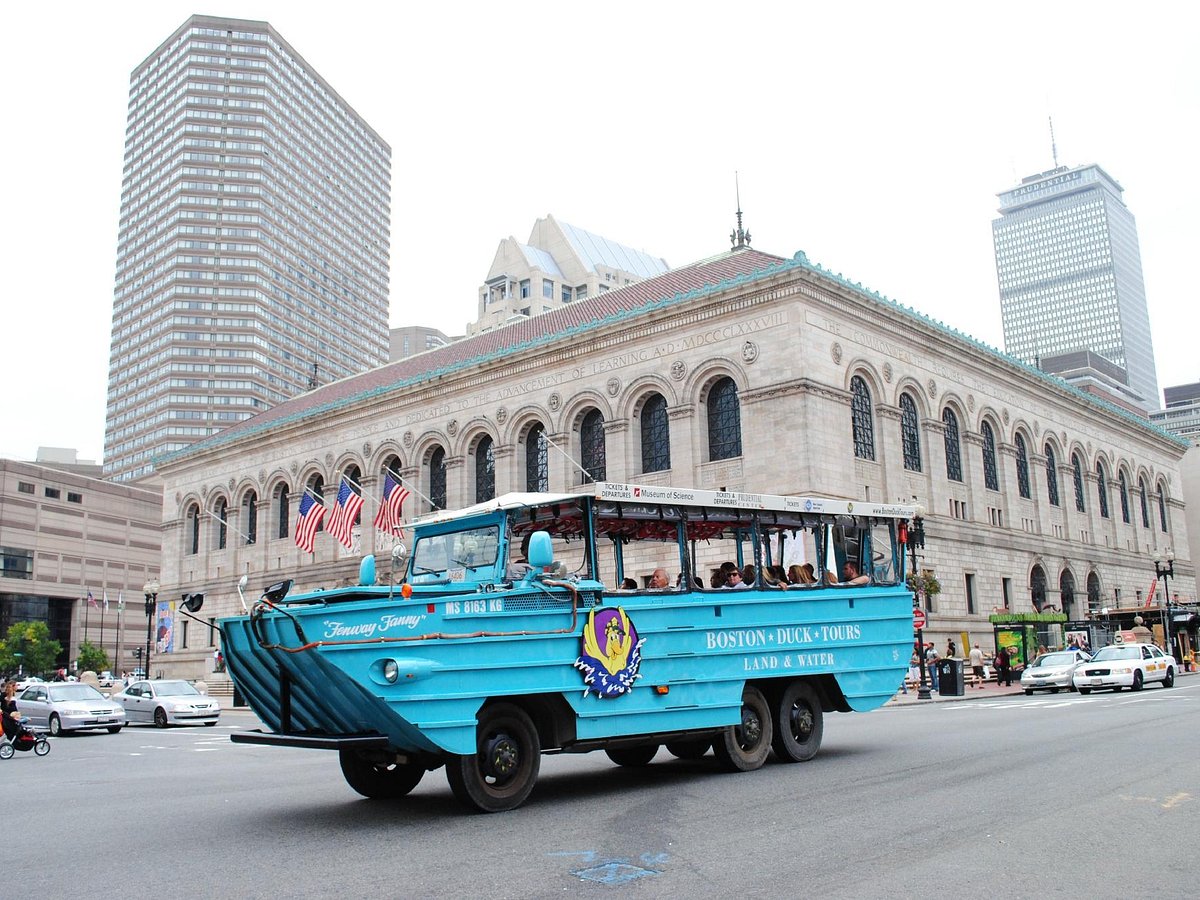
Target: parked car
(61, 706)
(1125, 665)
(27, 681)
(167, 703)
(1053, 671)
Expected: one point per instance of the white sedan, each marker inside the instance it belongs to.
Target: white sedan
(1053, 671)
(1125, 665)
(166, 703)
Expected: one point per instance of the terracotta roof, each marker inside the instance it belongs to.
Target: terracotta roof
(676, 286)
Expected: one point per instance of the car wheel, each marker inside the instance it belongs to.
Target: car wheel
(115, 729)
(211, 724)
(744, 747)
(1028, 692)
(160, 717)
(633, 757)
(689, 749)
(1137, 680)
(502, 771)
(1054, 690)
(379, 780)
(799, 723)
(1169, 681)
(1083, 691)
(55, 725)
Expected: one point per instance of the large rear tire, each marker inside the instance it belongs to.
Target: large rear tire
(502, 771)
(744, 747)
(634, 757)
(799, 723)
(689, 749)
(377, 780)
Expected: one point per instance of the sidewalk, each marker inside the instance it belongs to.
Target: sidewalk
(988, 691)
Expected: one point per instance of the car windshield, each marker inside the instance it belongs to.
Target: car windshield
(74, 692)
(174, 689)
(1117, 653)
(1054, 659)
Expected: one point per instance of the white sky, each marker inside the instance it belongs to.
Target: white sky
(873, 136)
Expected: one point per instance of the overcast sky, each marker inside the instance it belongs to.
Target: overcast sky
(872, 136)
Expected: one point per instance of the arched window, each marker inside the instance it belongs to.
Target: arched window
(862, 419)
(1162, 506)
(193, 520)
(1077, 468)
(991, 478)
(537, 459)
(910, 433)
(316, 490)
(485, 469)
(1093, 592)
(222, 523)
(1145, 511)
(724, 421)
(437, 478)
(953, 445)
(1066, 592)
(1037, 587)
(1102, 489)
(1124, 497)
(282, 511)
(1051, 476)
(591, 446)
(656, 435)
(1022, 468)
(250, 516)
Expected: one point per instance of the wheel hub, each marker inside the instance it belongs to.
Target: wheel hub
(751, 728)
(503, 756)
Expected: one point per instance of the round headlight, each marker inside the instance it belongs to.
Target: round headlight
(391, 671)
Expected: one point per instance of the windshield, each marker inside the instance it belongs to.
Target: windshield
(74, 692)
(1117, 653)
(1055, 659)
(174, 689)
(456, 552)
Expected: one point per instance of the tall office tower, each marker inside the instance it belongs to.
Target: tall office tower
(1071, 275)
(252, 262)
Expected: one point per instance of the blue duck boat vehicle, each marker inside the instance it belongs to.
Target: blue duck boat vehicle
(617, 617)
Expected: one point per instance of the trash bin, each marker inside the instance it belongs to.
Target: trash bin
(950, 677)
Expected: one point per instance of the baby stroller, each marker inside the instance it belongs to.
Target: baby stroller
(22, 738)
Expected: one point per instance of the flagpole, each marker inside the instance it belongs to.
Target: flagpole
(102, 612)
(116, 663)
(411, 487)
(87, 614)
(225, 522)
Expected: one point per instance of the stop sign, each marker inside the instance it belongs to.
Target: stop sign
(918, 617)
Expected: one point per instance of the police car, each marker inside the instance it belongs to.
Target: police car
(1125, 666)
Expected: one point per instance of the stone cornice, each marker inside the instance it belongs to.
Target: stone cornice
(795, 386)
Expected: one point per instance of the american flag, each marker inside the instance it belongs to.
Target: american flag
(91, 601)
(311, 514)
(341, 520)
(391, 509)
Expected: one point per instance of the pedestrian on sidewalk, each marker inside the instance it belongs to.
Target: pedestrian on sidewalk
(950, 649)
(1003, 668)
(976, 656)
(931, 658)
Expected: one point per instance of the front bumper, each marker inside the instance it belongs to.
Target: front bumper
(192, 716)
(1031, 683)
(83, 722)
(1112, 680)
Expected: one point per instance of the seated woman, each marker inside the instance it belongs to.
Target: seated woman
(801, 575)
(8, 707)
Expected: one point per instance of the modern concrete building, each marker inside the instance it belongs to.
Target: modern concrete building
(560, 264)
(1093, 374)
(1070, 273)
(746, 371)
(411, 339)
(1181, 415)
(63, 535)
(252, 260)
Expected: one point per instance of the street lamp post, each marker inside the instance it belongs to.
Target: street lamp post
(150, 588)
(1166, 573)
(916, 541)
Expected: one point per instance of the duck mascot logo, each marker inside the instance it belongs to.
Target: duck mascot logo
(611, 654)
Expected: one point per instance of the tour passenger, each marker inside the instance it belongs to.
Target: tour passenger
(659, 580)
(851, 575)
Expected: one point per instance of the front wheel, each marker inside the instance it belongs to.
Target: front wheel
(502, 771)
(1085, 691)
(42, 747)
(115, 729)
(160, 718)
(6, 750)
(633, 757)
(744, 747)
(1169, 681)
(379, 781)
(55, 725)
(799, 724)
(1137, 680)
(1028, 692)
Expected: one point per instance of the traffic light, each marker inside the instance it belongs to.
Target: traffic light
(137, 653)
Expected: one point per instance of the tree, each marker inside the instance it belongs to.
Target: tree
(92, 658)
(27, 647)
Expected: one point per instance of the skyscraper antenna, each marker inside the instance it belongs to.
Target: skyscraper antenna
(1053, 146)
(739, 237)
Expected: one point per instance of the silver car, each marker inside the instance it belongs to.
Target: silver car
(1053, 671)
(167, 703)
(69, 706)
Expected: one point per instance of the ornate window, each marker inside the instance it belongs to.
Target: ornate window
(282, 510)
(193, 519)
(437, 478)
(862, 419)
(1102, 489)
(222, 523)
(485, 469)
(1066, 592)
(250, 516)
(1022, 468)
(1124, 497)
(1162, 506)
(537, 462)
(592, 455)
(910, 433)
(656, 435)
(953, 445)
(1093, 593)
(724, 421)
(991, 478)
(1077, 467)
(1145, 512)
(1051, 476)
(1037, 587)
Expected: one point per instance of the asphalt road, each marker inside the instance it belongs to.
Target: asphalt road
(1053, 796)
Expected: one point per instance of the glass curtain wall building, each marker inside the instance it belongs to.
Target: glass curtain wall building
(1070, 273)
(252, 260)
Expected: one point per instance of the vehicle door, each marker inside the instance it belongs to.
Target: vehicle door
(1158, 664)
(34, 702)
(138, 706)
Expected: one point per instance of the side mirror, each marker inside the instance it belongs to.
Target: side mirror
(277, 591)
(399, 557)
(541, 553)
(193, 602)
